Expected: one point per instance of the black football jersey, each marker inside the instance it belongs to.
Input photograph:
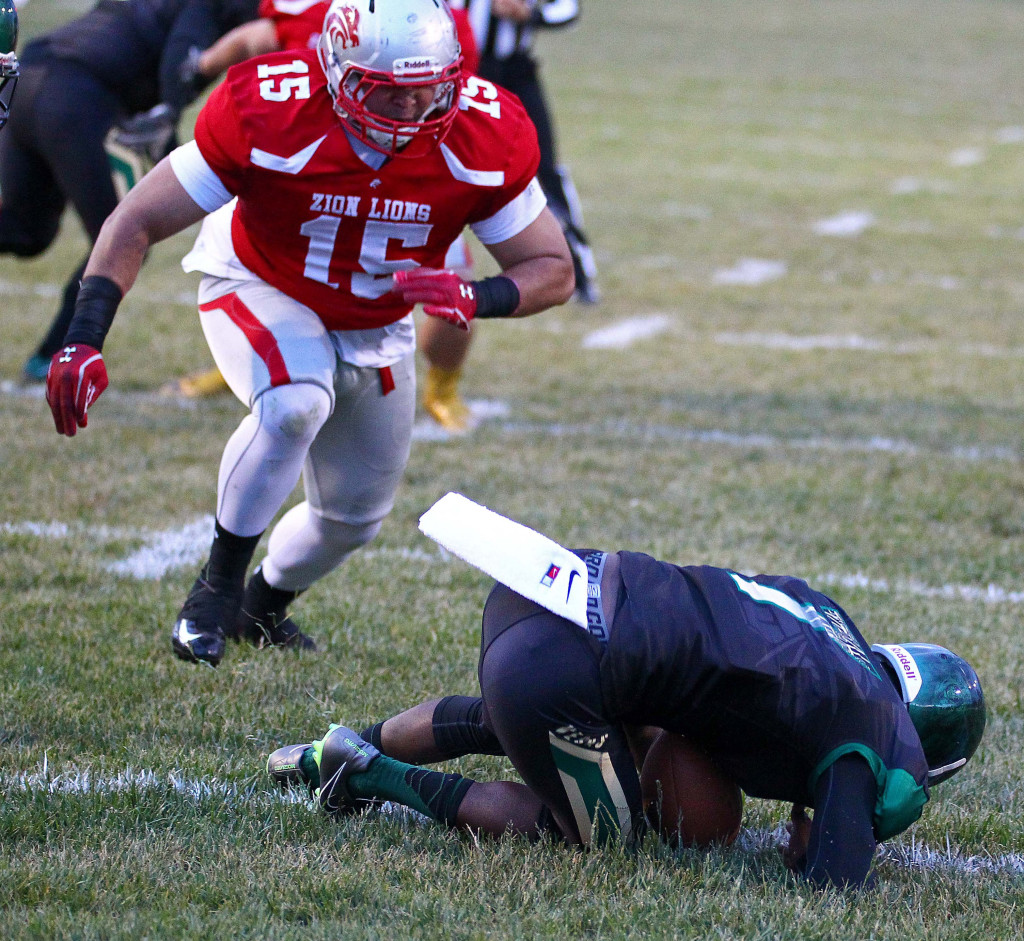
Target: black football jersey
(136, 47)
(770, 677)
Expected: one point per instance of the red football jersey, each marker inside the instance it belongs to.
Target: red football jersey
(470, 52)
(298, 24)
(316, 221)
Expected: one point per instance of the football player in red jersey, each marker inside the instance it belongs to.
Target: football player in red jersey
(296, 24)
(334, 180)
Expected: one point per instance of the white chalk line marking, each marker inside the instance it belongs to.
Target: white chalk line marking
(480, 410)
(903, 853)
(1009, 135)
(909, 185)
(167, 550)
(967, 157)
(845, 224)
(750, 272)
(625, 333)
(986, 594)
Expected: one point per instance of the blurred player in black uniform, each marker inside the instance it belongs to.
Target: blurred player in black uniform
(504, 31)
(9, 71)
(769, 677)
(124, 58)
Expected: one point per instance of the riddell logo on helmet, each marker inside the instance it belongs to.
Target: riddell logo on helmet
(343, 28)
(907, 662)
(412, 69)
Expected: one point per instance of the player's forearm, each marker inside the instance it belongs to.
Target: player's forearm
(119, 251)
(155, 209)
(543, 282)
(538, 261)
(243, 42)
(841, 847)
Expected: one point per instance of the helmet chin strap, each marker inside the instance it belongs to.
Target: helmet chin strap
(946, 770)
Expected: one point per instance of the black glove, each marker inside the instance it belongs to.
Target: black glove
(150, 134)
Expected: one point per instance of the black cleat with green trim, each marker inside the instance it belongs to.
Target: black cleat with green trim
(285, 767)
(341, 754)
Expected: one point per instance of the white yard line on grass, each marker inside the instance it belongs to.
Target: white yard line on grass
(170, 549)
(966, 157)
(1009, 135)
(986, 594)
(167, 550)
(906, 854)
(619, 336)
(750, 272)
(846, 224)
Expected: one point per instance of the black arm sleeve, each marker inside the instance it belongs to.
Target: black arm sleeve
(842, 842)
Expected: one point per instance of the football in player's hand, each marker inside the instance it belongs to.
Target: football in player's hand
(687, 799)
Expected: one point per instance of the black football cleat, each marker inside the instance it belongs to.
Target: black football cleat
(285, 768)
(198, 635)
(263, 619)
(342, 754)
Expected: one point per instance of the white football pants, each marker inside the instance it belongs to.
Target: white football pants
(345, 429)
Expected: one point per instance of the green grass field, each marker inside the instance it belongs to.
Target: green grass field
(809, 221)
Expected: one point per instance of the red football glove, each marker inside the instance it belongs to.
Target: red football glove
(441, 292)
(74, 381)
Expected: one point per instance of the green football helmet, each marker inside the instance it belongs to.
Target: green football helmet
(944, 698)
(8, 60)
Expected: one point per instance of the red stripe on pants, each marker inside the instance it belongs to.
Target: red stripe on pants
(260, 338)
(387, 380)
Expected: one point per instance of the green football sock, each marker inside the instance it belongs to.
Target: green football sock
(432, 793)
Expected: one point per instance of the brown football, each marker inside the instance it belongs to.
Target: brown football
(687, 799)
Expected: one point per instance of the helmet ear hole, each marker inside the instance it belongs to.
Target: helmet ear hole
(890, 672)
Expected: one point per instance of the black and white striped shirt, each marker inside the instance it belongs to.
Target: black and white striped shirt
(500, 38)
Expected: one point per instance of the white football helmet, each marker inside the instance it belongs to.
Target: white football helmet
(369, 44)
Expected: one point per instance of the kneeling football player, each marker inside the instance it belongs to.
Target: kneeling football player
(766, 675)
